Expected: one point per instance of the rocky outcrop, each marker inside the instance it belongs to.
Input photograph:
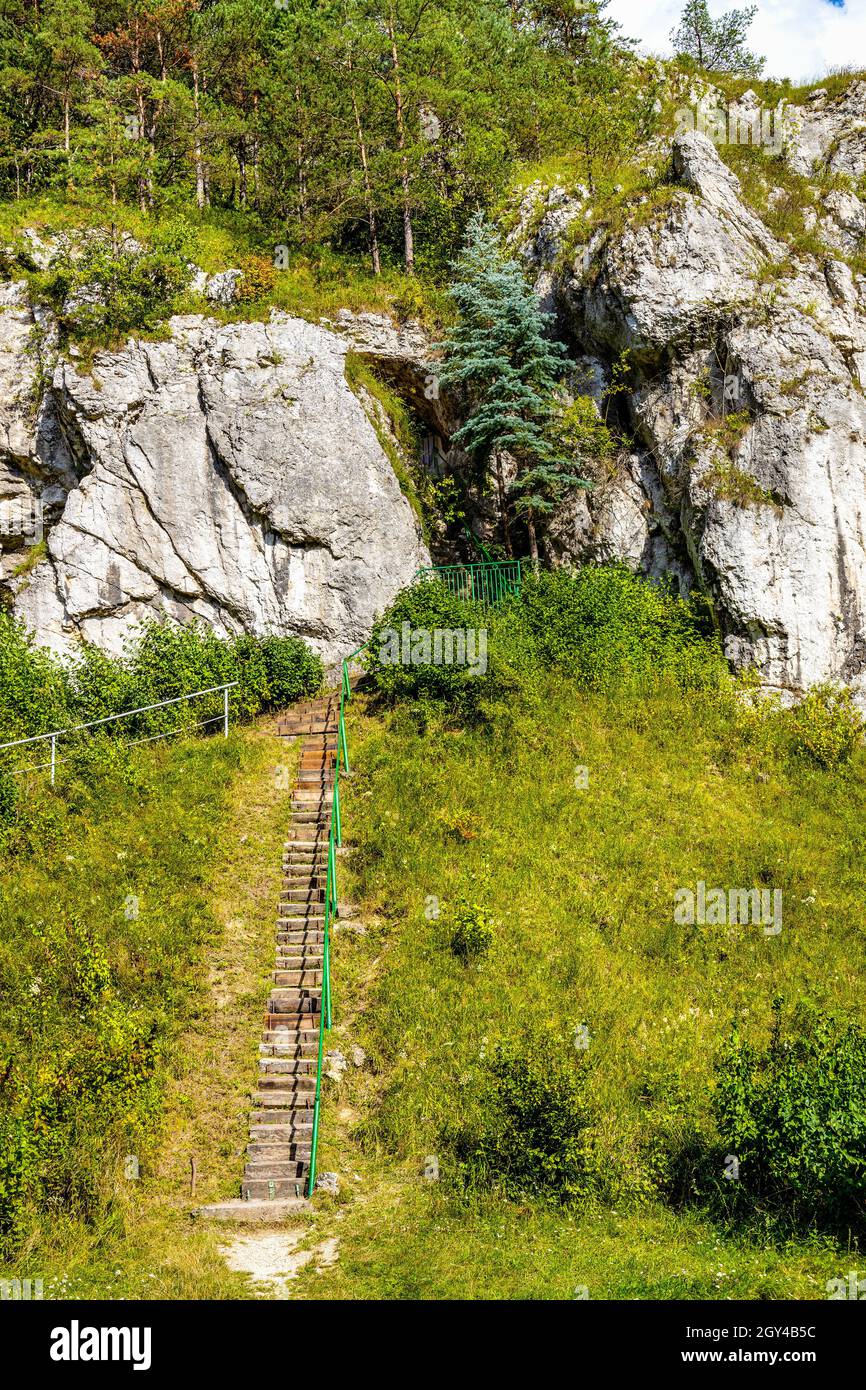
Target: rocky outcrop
(226, 474)
(745, 373)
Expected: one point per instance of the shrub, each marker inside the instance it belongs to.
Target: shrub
(602, 627)
(470, 929)
(398, 665)
(38, 692)
(35, 694)
(101, 292)
(826, 727)
(794, 1114)
(259, 279)
(531, 1132)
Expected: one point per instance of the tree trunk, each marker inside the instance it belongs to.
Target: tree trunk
(368, 190)
(408, 235)
(503, 506)
(533, 540)
(200, 193)
(66, 122)
(302, 175)
(242, 171)
(255, 151)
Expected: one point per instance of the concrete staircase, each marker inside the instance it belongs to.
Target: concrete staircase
(281, 1121)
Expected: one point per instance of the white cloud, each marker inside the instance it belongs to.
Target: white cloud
(801, 39)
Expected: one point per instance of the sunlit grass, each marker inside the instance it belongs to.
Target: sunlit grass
(581, 883)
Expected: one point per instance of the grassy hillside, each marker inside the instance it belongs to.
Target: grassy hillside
(196, 841)
(570, 826)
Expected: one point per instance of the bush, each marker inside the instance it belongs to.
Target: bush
(531, 1134)
(259, 279)
(38, 693)
(794, 1114)
(162, 661)
(470, 930)
(35, 689)
(605, 626)
(826, 727)
(401, 669)
(602, 627)
(101, 293)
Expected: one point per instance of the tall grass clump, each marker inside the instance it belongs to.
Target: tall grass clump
(529, 1131)
(790, 1116)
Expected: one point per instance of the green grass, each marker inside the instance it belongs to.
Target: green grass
(312, 286)
(581, 884)
(198, 842)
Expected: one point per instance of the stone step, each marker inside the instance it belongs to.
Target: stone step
(269, 1168)
(273, 1190)
(272, 1022)
(292, 1118)
(288, 1081)
(294, 1000)
(287, 1066)
(275, 1050)
(309, 1023)
(254, 1211)
(301, 979)
(271, 1098)
(284, 1127)
(287, 1091)
(276, 1150)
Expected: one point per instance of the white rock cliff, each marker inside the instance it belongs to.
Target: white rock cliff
(746, 368)
(227, 474)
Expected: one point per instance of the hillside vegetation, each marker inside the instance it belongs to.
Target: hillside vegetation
(546, 1043)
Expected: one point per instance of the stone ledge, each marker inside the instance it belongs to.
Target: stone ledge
(253, 1212)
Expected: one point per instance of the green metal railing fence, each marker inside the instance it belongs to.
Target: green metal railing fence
(488, 583)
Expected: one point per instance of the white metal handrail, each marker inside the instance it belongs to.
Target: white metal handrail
(55, 734)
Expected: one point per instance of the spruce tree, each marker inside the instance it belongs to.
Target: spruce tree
(499, 353)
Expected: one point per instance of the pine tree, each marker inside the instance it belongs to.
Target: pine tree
(716, 45)
(499, 352)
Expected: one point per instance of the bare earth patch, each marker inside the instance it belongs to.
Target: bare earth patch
(272, 1260)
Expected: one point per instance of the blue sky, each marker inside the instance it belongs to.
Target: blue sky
(802, 39)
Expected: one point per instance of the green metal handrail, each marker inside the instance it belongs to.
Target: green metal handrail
(488, 583)
(335, 840)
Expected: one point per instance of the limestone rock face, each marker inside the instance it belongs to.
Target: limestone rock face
(227, 474)
(745, 399)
